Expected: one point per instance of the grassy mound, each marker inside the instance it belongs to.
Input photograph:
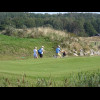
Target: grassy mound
(22, 47)
(23, 41)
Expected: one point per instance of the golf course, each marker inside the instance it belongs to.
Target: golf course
(69, 47)
(19, 68)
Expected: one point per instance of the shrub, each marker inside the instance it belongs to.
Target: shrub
(10, 31)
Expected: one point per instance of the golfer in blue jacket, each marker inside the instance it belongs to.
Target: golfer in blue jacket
(58, 50)
(40, 52)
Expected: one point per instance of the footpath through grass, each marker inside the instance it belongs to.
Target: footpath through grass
(51, 72)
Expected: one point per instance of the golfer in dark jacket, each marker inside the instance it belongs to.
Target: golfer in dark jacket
(40, 51)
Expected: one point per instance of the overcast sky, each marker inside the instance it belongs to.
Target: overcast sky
(64, 12)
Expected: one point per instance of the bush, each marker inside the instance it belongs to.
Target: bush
(84, 79)
(21, 33)
(10, 31)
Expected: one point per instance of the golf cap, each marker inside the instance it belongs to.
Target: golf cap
(35, 47)
(59, 46)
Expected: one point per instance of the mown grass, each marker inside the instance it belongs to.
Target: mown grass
(51, 72)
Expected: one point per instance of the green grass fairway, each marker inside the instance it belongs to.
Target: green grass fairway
(56, 69)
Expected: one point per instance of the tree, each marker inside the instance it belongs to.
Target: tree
(98, 25)
(89, 29)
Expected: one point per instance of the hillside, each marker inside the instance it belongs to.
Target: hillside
(21, 42)
(12, 47)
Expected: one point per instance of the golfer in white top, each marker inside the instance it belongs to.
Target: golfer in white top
(35, 52)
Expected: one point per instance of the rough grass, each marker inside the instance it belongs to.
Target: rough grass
(23, 47)
(51, 33)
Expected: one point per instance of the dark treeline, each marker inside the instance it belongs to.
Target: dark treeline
(81, 24)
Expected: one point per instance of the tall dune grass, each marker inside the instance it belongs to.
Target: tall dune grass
(36, 32)
(80, 79)
(52, 34)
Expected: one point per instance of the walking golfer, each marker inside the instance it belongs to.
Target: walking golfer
(58, 50)
(35, 53)
(40, 52)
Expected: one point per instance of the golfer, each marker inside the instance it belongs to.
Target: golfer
(35, 52)
(58, 50)
(40, 52)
